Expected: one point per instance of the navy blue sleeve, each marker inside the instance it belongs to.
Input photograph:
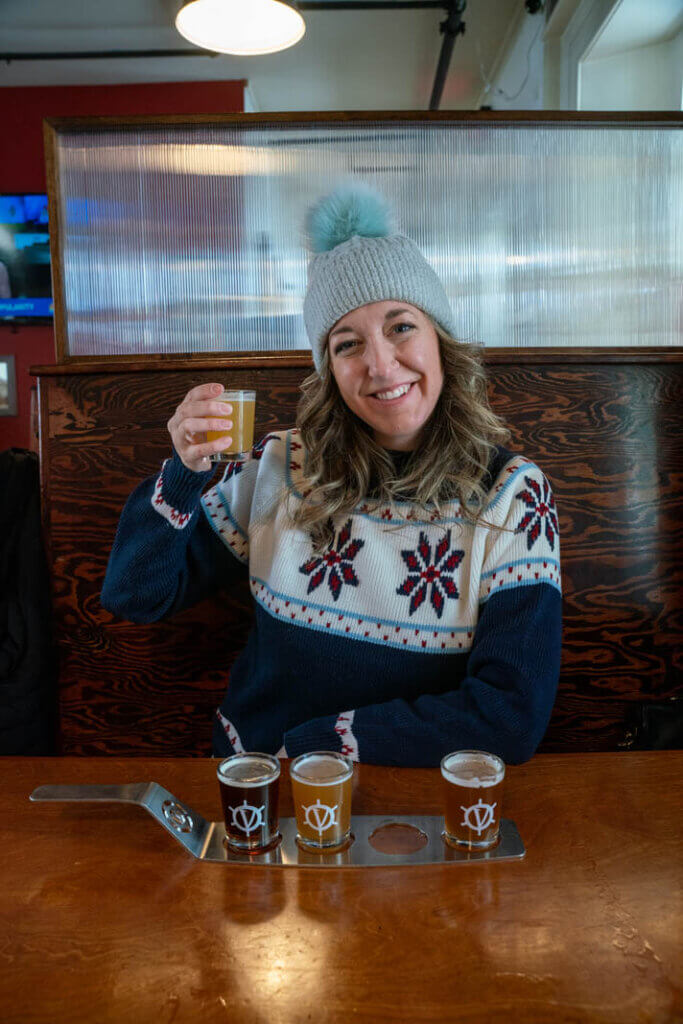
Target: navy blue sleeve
(502, 705)
(165, 556)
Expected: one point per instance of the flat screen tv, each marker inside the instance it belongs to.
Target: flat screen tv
(25, 285)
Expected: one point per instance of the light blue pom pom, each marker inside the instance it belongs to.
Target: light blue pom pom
(350, 210)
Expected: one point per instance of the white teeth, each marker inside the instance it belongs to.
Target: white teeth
(396, 393)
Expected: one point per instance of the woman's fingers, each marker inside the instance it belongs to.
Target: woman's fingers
(195, 452)
(203, 391)
(198, 413)
(196, 455)
(200, 426)
(204, 408)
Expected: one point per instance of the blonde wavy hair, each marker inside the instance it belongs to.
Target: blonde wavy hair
(343, 461)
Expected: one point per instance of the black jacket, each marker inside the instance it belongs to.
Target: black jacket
(28, 664)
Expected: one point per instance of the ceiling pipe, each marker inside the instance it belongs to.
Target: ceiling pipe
(7, 58)
(452, 27)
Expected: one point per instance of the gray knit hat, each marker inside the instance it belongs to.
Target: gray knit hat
(357, 259)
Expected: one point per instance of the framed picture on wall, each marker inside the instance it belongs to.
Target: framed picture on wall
(8, 387)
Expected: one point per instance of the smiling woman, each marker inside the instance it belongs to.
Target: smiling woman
(389, 371)
(404, 565)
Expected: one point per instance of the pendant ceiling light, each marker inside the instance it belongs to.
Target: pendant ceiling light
(241, 27)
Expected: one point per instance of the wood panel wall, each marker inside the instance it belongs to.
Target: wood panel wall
(605, 426)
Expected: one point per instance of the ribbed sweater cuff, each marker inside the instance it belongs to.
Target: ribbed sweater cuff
(182, 487)
(318, 734)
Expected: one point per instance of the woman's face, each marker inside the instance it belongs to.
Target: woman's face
(385, 359)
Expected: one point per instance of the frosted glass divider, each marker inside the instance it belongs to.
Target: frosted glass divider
(188, 238)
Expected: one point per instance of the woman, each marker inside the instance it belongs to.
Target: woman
(403, 564)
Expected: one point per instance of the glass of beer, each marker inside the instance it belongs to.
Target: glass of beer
(473, 790)
(322, 782)
(250, 786)
(242, 431)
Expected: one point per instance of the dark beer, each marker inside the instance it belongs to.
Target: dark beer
(473, 790)
(250, 785)
(322, 782)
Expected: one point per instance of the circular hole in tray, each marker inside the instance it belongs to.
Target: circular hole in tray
(398, 839)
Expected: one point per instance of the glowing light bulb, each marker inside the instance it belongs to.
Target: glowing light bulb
(244, 28)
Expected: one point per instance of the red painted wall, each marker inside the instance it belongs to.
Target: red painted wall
(22, 169)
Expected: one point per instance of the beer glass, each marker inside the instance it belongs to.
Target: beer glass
(242, 431)
(321, 786)
(250, 785)
(473, 790)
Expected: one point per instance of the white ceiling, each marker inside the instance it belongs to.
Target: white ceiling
(635, 23)
(361, 60)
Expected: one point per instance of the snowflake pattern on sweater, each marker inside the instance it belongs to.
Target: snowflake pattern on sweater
(433, 573)
(369, 584)
(540, 512)
(338, 559)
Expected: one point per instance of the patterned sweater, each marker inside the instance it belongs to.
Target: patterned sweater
(407, 639)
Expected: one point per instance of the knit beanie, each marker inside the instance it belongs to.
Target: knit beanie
(357, 259)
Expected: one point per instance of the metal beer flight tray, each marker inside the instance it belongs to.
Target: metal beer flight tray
(205, 840)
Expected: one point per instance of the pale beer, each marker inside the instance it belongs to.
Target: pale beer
(322, 783)
(473, 791)
(242, 431)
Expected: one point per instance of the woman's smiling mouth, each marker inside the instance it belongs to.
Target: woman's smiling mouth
(393, 395)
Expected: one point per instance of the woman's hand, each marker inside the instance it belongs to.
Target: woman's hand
(197, 413)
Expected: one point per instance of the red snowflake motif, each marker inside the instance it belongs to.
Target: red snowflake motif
(540, 511)
(435, 574)
(338, 558)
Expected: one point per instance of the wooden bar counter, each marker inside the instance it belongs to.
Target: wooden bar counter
(106, 918)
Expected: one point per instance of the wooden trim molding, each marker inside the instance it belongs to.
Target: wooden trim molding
(51, 147)
(262, 360)
(514, 118)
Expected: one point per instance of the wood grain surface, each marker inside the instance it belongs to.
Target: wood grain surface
(608, 436)
(106, 918)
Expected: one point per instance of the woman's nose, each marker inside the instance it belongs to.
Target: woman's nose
(380, 357)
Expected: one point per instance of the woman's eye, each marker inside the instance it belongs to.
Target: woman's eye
(396, 327)
(344, 346)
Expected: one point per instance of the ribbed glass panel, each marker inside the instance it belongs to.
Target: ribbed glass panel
(188, 240)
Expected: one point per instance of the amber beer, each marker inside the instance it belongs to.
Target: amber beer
(473, 790)
(242, 431)
(250, 785)
(322, 782)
